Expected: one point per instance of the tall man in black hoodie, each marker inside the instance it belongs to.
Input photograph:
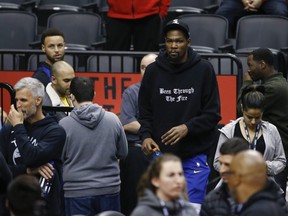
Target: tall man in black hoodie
(30, 141)
(179, 107)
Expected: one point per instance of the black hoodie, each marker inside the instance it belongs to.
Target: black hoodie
(175, 94)
(267, 202)
(32, 145)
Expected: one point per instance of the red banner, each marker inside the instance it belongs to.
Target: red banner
(109, 88)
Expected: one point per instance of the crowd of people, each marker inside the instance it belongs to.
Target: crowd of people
(95, 161)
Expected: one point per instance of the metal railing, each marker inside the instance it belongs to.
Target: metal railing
(109, 61)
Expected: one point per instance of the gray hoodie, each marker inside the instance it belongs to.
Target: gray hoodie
(149, 204)
(95, 141)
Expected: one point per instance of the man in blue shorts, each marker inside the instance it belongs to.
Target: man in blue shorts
(179, 107)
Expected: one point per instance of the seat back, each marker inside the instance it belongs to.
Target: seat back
(78, 27)
(110, 213)
(111, 64)
(269, 31)
(11, 4)
(201, 4)
(63, 5)
(206, 30)
(46, 8)
(34, 59)
(18, 29)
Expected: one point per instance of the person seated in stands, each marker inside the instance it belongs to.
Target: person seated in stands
(235, 9)
(24, 196)
(58, 90)
(162, 187)
(53, 45)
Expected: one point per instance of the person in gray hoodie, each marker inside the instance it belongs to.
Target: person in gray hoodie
(95, 142)
(162, 188)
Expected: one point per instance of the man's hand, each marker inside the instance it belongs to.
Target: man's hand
(148, 145)
(175, 134)
(15, 117)
(252, 5)
(44, 170)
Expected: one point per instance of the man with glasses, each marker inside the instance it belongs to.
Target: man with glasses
(179, 107)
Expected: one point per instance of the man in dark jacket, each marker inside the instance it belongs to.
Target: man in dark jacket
(261, 69)
(30, 141)
(179, 107)
(249, 186)
(219, 202)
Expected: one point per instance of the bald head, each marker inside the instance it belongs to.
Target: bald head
(61, 75)
(61, 67)
(248, 175)
(146, 60)
(250, 161)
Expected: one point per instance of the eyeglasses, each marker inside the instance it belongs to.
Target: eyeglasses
(176, 41)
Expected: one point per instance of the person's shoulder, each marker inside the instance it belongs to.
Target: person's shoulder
(50, 122)
(263, 207)
(66, 121)
(112, 116)
(230, 124)
(132, 88)
(215, 194)
(269, 125)
(144, 210)
(42, 65)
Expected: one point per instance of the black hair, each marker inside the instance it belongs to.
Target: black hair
(82, 88)
(263, 54)
(51, 32)
(252, 96)
(233, 145)
(23, 194)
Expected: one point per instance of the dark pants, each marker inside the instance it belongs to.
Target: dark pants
(234, 9)
(143, 33)
(281, 179)
(131, 170)
(90, 206)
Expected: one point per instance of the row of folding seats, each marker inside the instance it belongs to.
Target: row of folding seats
(209, 32)
(19, 29)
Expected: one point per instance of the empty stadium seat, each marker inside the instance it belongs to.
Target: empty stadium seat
(82, 30)
(18, 29)
(270, 31)
(111, 64)
(208, 31)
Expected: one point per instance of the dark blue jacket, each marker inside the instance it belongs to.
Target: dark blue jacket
(43, 73)
(32, 145)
